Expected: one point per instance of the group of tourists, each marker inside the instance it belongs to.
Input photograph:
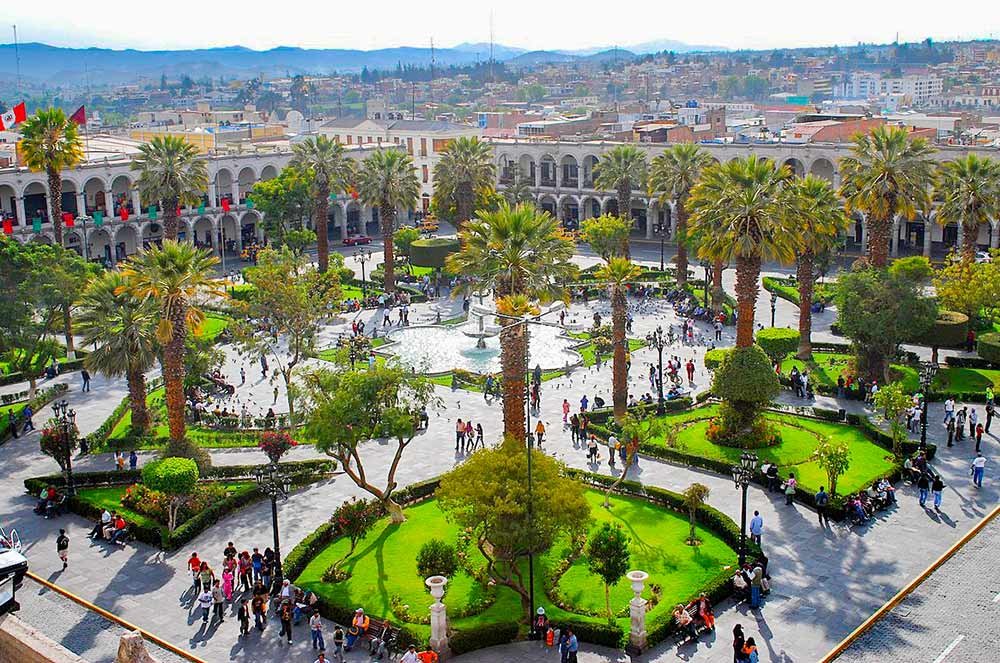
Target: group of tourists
(468, 436)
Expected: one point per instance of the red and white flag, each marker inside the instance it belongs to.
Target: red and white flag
(79, 116)
(15, 115)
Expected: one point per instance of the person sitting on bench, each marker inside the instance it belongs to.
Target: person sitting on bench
(358, 628)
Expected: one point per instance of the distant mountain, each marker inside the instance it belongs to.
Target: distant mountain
(541, 57)
(649, 47)
(500, 52)
(611, 55)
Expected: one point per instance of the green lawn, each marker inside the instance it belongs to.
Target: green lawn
(4, 409)
(826, 367)
(799, 437)
(214, 324)
(384, 564)
(966, 380)
(38, 363)
(786, 289)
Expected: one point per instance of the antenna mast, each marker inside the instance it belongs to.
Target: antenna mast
(432, 71)
(17, 61)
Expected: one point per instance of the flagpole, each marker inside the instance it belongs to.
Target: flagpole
(17, 61)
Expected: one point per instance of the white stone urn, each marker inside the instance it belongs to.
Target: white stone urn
(439, 615)
(637, 610)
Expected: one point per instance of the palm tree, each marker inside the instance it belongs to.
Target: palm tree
(389, 181)
(622, 169)
(671, 177)
(171, 173)
(968, 193)
(740, 212)
(515, 251)
(50, 142)
(617, 273)
(519, 190)
(465, 169)
(888, 175)
(820, 221)
(172, 276)
(331, 171)
(123, 328)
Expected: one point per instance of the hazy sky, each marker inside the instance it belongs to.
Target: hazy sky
(526, 23)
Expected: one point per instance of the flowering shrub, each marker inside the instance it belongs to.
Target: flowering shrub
(275, 443)
(354, 518)
(153, 503)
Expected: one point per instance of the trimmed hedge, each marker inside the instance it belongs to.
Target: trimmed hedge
(65, 366)
(988, 348)
(777, 342)
(948, 331)
(432, 252)
(480, 637)
(713, 358)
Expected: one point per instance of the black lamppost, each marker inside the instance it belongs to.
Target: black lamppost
(774, 306)
(655, 339)
(927, 373)
(742, 476)
(363, 256)
(274, 483)
(706, 265)
(663, 236)
(66, 418)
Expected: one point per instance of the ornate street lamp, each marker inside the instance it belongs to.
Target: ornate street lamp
(66, 422)
(706, 265)
(363, 256)
(663, 236)
(742, 476)
(774, 306)
(927, 372)
(275, 484)
(657, 340)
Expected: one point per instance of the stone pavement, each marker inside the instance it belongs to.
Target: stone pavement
(825, 580)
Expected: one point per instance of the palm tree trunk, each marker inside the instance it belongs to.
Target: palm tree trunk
(879, 232)
(680, 236)
(170, 219)
(137, 400)
(804, 275)
(173, 374)
(625, 212)
(969, 236)
(718, 296)
(55, 203)
(319, 222)
(513, 361)
(387, 216)
(747, 273)
(619, 373)
(68, 331)
(465, 200)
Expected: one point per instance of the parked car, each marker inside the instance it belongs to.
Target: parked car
(13, 567)
(357, 239)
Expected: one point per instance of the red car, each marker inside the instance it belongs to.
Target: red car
(357, 239)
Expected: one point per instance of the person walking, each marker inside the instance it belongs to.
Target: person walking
(228, 583)
(978, 469)
(12, 423)
(539, 433)
(991, 410)
(612, 447)
(936, 487)
(973, 420)
(584, 402)
(194, 566)
(338, 643)
(27, 413)
(949, 410)
(574, 429)
(480, 441)
(275, 392)
(756, 527)
(822, 499)
(243, 615)
(62, 548)
(565, 410)
(316, 631)
(951, 432)
(85, 376)
(459, 436)
(979, 436)
(133, 460)
(738, 641)
(790, 484)
(243, 376)
(923, 485)
(259, 608)
(572, 646)
(205, 603)
(218, 601)
(285, 617)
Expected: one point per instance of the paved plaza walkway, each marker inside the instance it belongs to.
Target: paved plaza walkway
(825, 580)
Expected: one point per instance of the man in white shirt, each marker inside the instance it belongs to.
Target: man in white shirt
(949, 410)
(410, 656)
(978, 469)
(99, 527)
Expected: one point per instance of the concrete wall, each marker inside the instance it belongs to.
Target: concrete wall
(20, 643)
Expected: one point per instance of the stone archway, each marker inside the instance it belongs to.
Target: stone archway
(823, 167)
(101, 245)
(796, 166)
(126, 241)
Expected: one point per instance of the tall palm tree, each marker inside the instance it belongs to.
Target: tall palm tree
(171, 173)
(671, 177)
(820, 220)
(123, 328)
(389, 181)
(173, 276)
(50, 142)
(887, 175)
(331, 171)
(968, 193)
(466, 168)
(622, 170)
(740, 211)
(515, 251)
(519, 189)
(617, 273)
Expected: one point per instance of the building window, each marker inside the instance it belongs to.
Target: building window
(423, 147)
(424, 169)
(409, 146)
(350, 140)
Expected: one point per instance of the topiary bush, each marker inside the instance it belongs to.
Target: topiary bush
(778, 342)
(437, 558)
(432, 252)
(714, 357)
(746, 383)
(948, 331)
(988, 348)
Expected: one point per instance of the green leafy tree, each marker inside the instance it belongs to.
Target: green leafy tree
(348, 408)
(284, 312)
(888, 174)
(878, 311)
(622, 169)
(329, 171)
(171, 173)
(174, 477)
(607, 235)
(388, 180)
(403, 239)
(671, 177)
(354, 519)
(122, 329)
(488, 496)
(57, 446)
(299, 240)
(618, 273)
(893, 400)
(695, 497)
(970, 288)
(968, 194)
(834, 457)
(50, 143)
(465, 171)
(741, 211)
(746, 382)
(285, 201)
(608, 557)
(437, 558)
(917, 269)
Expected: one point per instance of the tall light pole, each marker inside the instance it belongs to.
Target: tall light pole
(274, 483)
(774, 306)
(363, 256)
(66, 417)
(927, 373)
(656, 340)
(742, 475)
(83, 218)
(663, 235)
(706, 265)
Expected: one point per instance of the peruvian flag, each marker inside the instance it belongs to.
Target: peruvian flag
(79, 116)
(8, 227)
(15, 115)
(225, 204)
(123, 213)
(68, 220)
